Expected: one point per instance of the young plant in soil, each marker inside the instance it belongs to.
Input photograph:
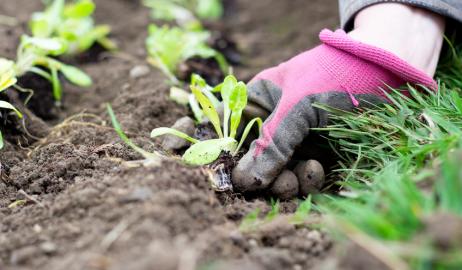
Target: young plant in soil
(73, 24)
(35, 55)
(168, 47)
(234, 95)
(7, 79)
(185, 12)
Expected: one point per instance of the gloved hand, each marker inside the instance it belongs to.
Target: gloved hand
(341, 73)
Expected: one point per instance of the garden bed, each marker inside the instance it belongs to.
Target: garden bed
(86, 209)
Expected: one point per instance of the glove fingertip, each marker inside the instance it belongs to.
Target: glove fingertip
(247, 175)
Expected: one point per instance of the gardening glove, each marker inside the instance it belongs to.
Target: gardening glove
(341, 73)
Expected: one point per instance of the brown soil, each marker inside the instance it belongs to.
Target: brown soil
(85, 208)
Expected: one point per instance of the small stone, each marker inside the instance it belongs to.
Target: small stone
(48, 247)
(236, 236)
(286, 186)
(311, 177)
(139, 71)
(253, 243)
(37, 228)
(185, 125)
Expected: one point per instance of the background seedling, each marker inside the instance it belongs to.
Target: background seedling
(185, 12)
(234, 95)
(73, 24)
(34, 52)
(169, 46)
(7, 79)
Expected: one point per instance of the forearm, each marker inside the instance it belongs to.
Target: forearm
(413, 34)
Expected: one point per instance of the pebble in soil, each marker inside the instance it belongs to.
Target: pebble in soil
(311, 177)
(286, 186)
(185, 125)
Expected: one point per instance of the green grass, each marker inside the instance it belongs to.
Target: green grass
(400, 165)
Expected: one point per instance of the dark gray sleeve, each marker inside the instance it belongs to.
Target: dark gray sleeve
(448, 8)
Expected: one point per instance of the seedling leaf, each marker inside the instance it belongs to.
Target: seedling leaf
(119, 130)
(209, 9)
(76, 76)
(227, 89)
(238, 101)
(250, 221)
(208, 109)
(7, 105)
(163, 131)
(247, 129)
(57, 90)
(206, 152)
(79, 9)
(275, 207)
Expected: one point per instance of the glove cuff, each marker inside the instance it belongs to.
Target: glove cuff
(400, 68)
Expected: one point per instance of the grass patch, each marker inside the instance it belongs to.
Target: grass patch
(400, 165)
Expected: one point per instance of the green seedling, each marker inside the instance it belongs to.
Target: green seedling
(73, 24)
(7, 79)
(35, 55)
(185, 12)
(183, 97)
(303, 212)
(274, 212)
(252, 220)
(169, 46)
(234, 95)
(118, 128)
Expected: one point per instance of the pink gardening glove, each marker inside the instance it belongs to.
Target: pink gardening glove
(341, 73)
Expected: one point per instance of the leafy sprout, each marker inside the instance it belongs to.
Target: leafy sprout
(169, 46)
(35, 55)
(234, 95)
(185, 12)
(7, 79)
(73, 24)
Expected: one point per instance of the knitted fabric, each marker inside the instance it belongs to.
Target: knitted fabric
(340, 64)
